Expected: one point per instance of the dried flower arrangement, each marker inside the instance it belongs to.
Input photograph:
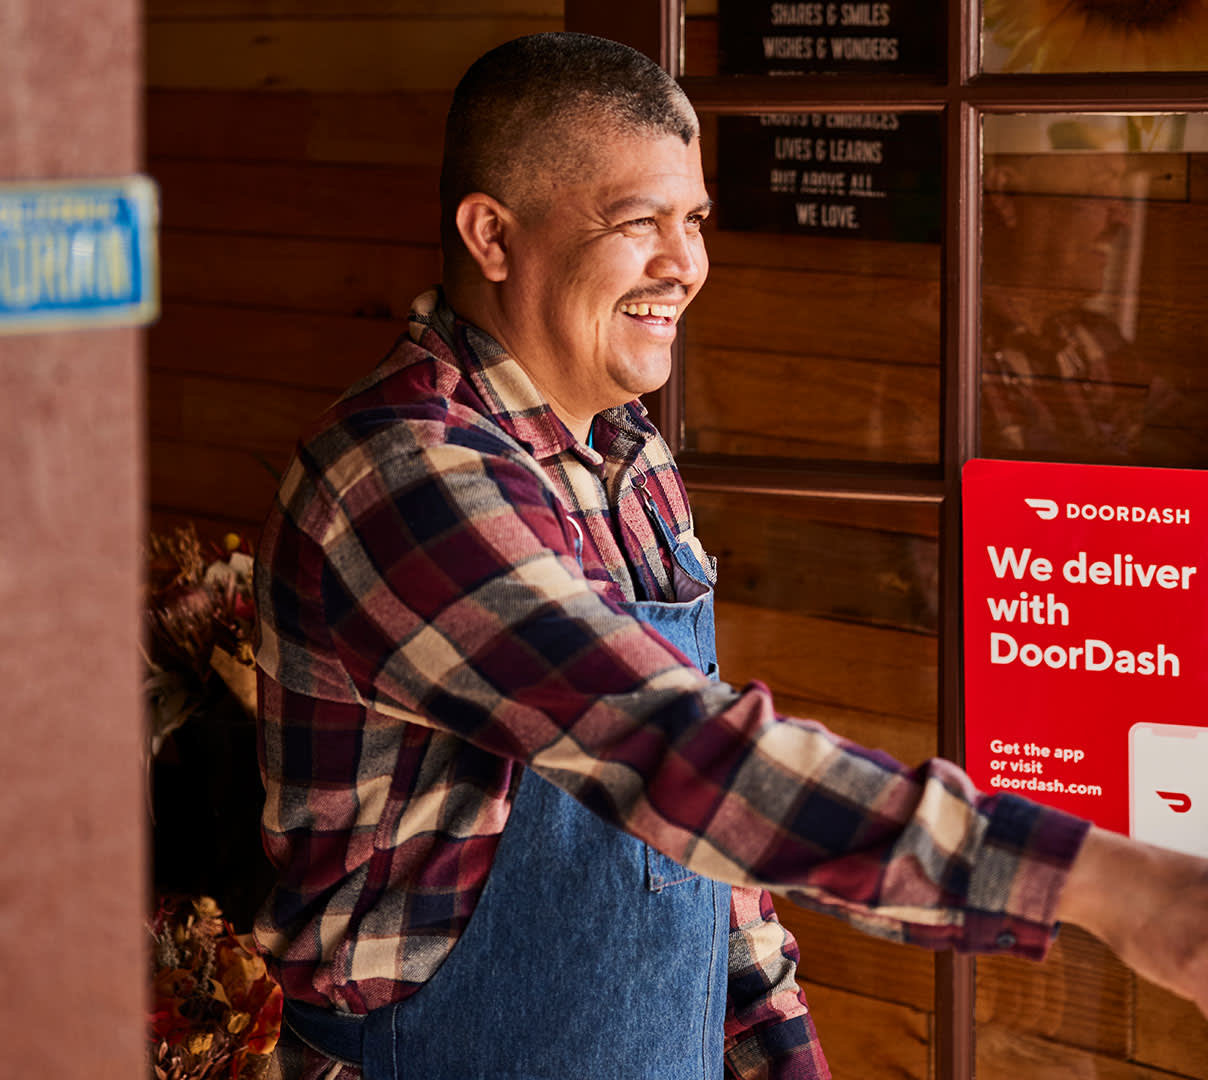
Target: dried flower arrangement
(199, 616)
(216, 1010)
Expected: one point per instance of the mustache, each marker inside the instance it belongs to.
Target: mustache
(674, 294)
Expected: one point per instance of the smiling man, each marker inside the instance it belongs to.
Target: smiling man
(522, 830)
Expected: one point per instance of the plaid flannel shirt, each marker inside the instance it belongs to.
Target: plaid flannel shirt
(426, 627)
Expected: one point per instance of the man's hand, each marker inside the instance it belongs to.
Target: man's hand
(1149, 904)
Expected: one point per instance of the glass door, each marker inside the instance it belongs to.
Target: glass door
(942, 232)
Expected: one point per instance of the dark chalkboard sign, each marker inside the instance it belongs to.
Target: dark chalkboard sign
(876, 176)
(898, 36)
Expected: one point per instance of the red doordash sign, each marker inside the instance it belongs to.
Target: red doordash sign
(1086, 642)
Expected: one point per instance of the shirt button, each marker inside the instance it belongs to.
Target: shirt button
(1005, 940)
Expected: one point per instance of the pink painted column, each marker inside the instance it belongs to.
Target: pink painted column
(72, 863)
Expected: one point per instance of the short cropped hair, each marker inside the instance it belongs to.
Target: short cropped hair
(529, 110)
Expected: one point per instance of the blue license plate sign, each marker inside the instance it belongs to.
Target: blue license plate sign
(78, 254)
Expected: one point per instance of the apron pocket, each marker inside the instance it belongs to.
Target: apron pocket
(662, 872)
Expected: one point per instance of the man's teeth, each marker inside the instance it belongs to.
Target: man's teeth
(665, 311)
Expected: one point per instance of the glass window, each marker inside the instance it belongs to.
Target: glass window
(823, 295)
(1093, 270)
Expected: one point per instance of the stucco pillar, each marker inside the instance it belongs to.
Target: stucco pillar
(71, 820)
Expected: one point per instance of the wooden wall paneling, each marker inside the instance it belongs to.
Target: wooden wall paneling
(1055, 241)
(825, 254)
(370, 202)
(251, 415)
(366, 279)
(219, 482)
(403, 128)
(1052, 419)
(1197, 183)
(331, 54)
(1003, 1054)
(1080, 995)
(835, 955)
(290, 348)
(888, 318)
(866, 1039)
(1083, 175)
(825, 407)
(910, 739)
(915, 518)
(828, 661)
(773, 553)
(1171, 1033)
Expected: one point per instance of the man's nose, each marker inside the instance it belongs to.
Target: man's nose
(680, 257)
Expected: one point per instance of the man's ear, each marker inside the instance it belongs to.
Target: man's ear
(483, 223)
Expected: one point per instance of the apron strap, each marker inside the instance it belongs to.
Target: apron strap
(339, 1036)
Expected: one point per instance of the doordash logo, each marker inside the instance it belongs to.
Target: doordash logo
(1047, 509)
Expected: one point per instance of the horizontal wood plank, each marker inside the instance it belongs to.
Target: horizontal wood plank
(1103, 175)
(847, 665)
(825, 254)
(333, 54)
(772, 553)
(797, 312)
(241, 414)
(1171, 1033)
(1079, 995)
(361, 278)
(399, 128)
(911, 740)
(916, 519)
(1082, 245)
(833, 954)
(825, 407)
(1198, 181)
(1003, 1054)
(367, 202)
(866, 1039)
(211, 481)
(323, 352)
(1096, 424)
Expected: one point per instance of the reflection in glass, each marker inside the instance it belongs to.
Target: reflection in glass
(1093, 270)
(1094, 35)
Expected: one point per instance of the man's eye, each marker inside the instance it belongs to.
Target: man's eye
(695, 221)
(640, 223)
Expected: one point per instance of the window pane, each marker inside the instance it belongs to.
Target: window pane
(1095, 250)
(817, 335)
(1041, 36)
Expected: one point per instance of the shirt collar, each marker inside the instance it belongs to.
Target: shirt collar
(511, 397)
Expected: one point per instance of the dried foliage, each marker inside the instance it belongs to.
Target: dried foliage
(216, 1011)
(199, 616)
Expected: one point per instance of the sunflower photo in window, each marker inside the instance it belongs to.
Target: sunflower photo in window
(1042, 36)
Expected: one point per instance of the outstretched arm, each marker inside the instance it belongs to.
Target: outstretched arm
(1149, 904)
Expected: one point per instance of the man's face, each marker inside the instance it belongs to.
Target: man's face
(597, 283)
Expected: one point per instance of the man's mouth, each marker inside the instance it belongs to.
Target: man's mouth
(642, 310)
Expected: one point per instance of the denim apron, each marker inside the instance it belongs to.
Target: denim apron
(589, 953)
